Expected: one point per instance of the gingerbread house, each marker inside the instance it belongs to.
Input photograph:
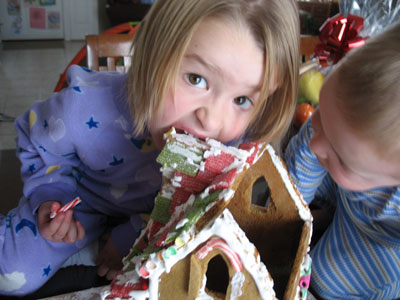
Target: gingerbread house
(210, 237)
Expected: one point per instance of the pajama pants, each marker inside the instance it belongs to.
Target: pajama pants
(27, 260)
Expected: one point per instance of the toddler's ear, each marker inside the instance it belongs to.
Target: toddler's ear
(273, 87)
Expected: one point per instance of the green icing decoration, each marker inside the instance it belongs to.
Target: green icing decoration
(203, 202)
(174, 233)
(193, 213)
(149, 250)
(131, 266)
(134, 252)
(161, 207)
(177, 156)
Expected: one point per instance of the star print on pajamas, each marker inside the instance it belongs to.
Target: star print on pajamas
(92, 123)
(116, 161)
(46, 271)
(77, 89)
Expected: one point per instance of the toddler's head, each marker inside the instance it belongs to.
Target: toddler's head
(192, 55)
(357, 126)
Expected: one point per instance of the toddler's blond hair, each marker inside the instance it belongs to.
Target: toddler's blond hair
(369, 89)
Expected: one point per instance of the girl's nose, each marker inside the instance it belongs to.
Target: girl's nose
(210, 116)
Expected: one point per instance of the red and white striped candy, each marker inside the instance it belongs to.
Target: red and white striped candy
(221, 244)
(69, 205)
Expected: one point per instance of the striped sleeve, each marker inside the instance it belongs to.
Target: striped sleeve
(358, 257)
(303, 166)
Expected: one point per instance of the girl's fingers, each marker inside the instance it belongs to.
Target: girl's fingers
(80, 231)
(54, 207)
(71, 235)
(64, 226)
(53, 226)
(111, 274)
(102, 270)
(75, 233)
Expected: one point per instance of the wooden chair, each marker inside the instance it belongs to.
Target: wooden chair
(111, 48)
(307, 46)
(115, 46)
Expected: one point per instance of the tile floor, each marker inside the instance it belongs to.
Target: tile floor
(29, 71)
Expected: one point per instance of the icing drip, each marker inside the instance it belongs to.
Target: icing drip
(202, 293)
(237, 285)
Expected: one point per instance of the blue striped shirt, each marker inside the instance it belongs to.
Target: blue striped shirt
(358, 256)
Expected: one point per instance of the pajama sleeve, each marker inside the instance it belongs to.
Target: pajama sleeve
(303, 166)
(46, 161)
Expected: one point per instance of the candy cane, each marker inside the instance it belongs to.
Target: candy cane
(66, 207)
(221, 244)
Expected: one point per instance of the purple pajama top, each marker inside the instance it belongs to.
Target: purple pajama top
(79, 142)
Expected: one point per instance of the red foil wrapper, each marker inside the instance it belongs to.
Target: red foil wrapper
(339, 34)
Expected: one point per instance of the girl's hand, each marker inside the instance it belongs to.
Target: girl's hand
(63, 228)
(109, 260)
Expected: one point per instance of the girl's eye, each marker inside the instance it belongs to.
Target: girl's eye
(243, 101)
(196, 80)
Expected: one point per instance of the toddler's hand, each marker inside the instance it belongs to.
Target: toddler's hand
(63, 228)
(109, 260)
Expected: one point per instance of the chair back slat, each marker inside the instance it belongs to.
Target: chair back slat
(307, 46)
(112, 48)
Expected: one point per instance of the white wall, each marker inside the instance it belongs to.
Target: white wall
(78, 18)
(83, 17)
(28, 21)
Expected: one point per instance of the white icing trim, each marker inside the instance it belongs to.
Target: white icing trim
(302, 207)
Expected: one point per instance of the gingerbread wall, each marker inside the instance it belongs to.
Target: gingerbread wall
(277, 231)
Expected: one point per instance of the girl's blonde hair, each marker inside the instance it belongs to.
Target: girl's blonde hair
(164, 35)
(369, 89)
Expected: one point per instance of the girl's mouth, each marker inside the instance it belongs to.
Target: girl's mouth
(180, 131)
(183, 131)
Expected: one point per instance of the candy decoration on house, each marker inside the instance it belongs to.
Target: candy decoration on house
(305, 277)
(339, 34)
(206, 239)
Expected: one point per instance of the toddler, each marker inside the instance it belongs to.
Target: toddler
(347, 158)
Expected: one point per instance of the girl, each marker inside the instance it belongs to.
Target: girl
(225, 69)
